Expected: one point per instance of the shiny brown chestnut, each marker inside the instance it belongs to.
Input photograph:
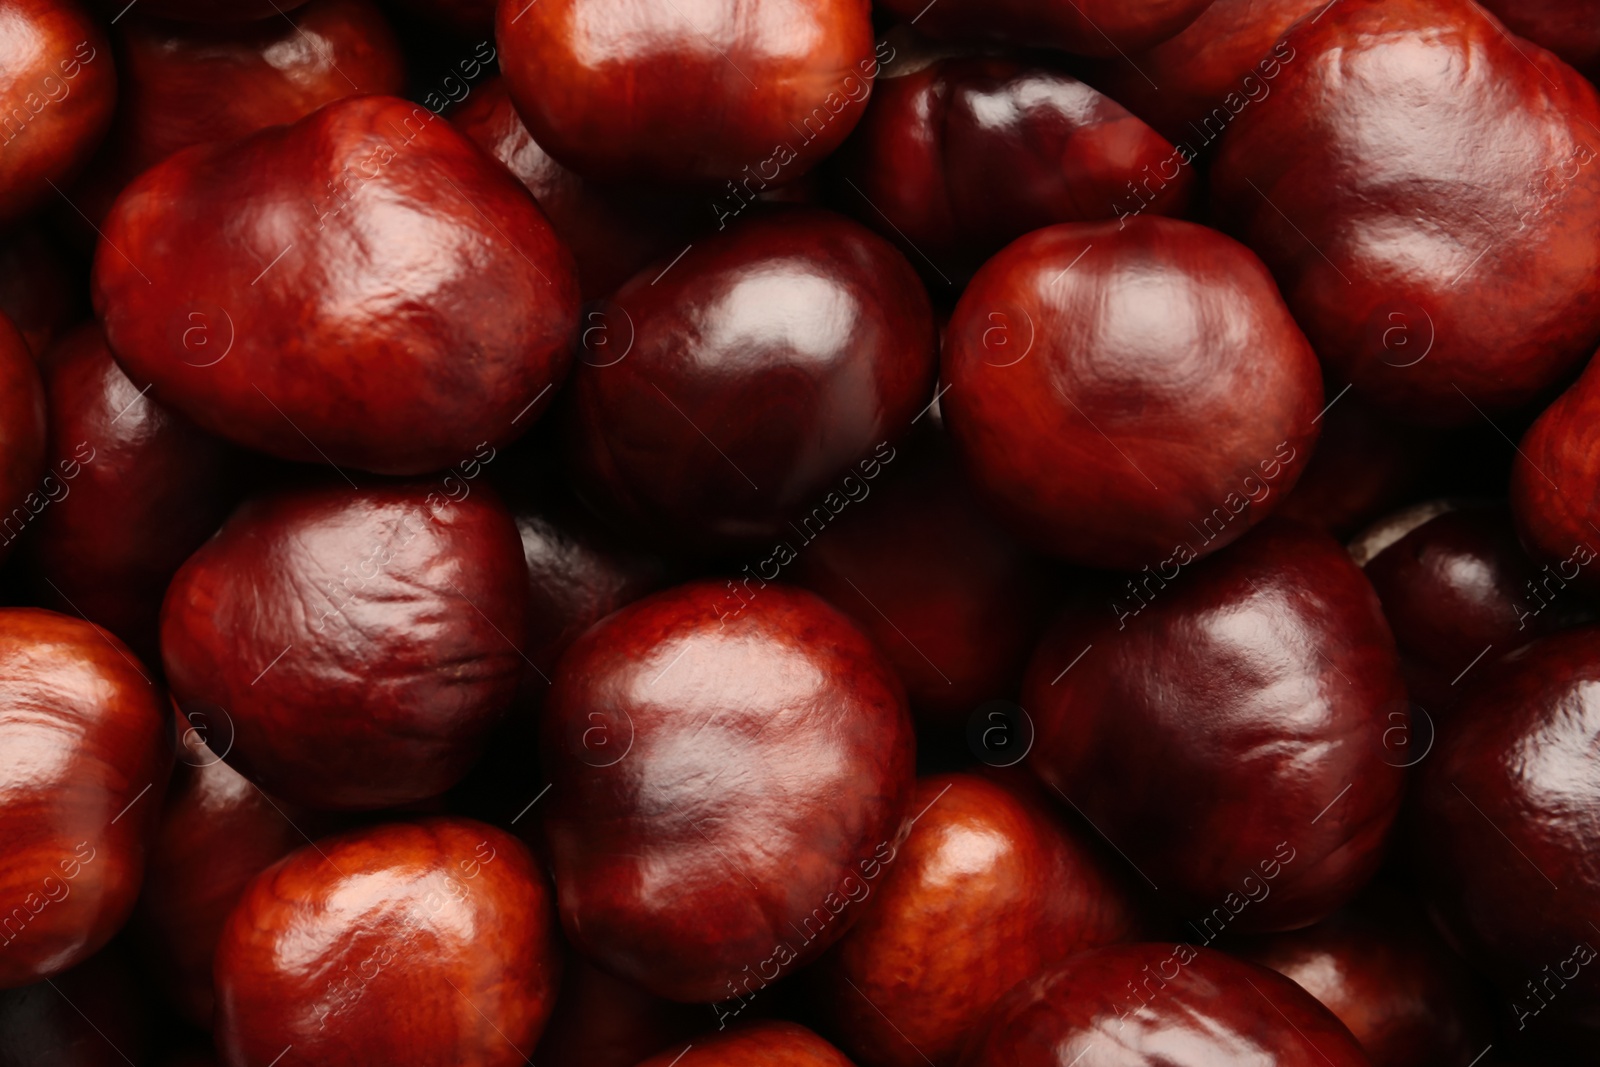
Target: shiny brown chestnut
(767, 1044)
(1173, 1005)
(1555, 483)
(90, 1016)
(87, 759)
(1224, 725)
(952, 599)
(218, 831)
(958, 156)
(361, 642)
(22, 439)
(1155, 364)
(58, 88)
(1456, 586)
(184, 83)
(447, 919)
(727, 783)
(133, 490)
(612, 233)
(1190, 86)
(1382, 971)
(363, 287)
(710, 94)
(38, 292)
(1444, 283)
(760, 374)
(990, 888)
(1507, 824)
(1087, 27)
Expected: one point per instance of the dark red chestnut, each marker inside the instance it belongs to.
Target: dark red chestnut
(22, 438)
(58, 88)
(1087, 27)
(725, 91)
(959, 156)
(1155, 365)
(952, 599)
(747, 380)
(1190, 86)
(386, 296)
(1456, 586)
(87, 758)
(218, 831)
(132, 491)
(1173, 1005)
(1445, 283)
(767, 1044)
(989, 888)
(90, 1016)
(612, 233)
(187, 83)
(1507, 825)
(431, 942)
(362, 642)
(1555, 484)
(727, 782)
(37, 291)
(1224, 726)
(1379, 968)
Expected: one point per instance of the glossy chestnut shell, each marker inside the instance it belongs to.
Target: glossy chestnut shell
(448, 917)
(749, 379)
(754, 756)
(714, 93)
(1555, 484)
(1224, 725)
(1435, 278)
(766, 1044)
(990, 888)
(384, 295)
(87, 747)
(1154, 363)
(362, 643)
(1173, 1005)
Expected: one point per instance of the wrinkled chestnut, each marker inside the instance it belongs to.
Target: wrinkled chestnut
(1224, 726)
(386, 296)
(361, 642)
(431, 942)
(727, 778)
(1155, 365)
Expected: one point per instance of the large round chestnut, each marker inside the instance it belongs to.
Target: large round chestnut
(989, 888)
(733, 95)
(361, 642)
(728, 777)
(218, 831)
(1456, 586)
(766, 1044)
(959, 156)
(1507, 825)
(187, 83)
(952, 598)
(612, 233)
(746, 381)
(363, 287)
(22, 438)
(1224, 725)
(1387, 977)
(1087, 27)
(1173, 1005)
(1129, 393)
(1446, 284)
(419, 943)
(133, 490)
(1555, 484)
(1190, 86)
(87, 758)
(58, 88)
